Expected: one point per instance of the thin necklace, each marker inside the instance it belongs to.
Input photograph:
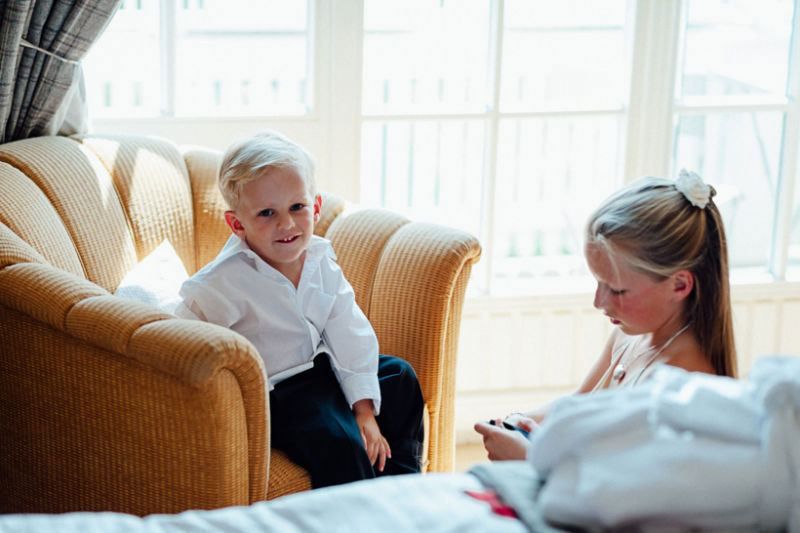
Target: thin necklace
(620, 370)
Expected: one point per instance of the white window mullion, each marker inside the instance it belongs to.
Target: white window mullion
(655, 60)
(168, 53)
(317, 28)
(784, 205)
(492, 125)
(343, 101)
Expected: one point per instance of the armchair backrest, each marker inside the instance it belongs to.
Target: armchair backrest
(94, 206)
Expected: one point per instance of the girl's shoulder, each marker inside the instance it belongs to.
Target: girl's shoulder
(690, 357)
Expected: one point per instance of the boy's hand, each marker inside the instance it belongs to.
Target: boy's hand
(376, 445)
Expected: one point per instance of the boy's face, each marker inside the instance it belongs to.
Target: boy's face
(276, 216)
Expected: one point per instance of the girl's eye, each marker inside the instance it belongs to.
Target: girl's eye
(297, 207)
(266, 213)
(617, 292)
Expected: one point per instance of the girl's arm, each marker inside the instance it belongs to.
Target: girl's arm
(600, 366)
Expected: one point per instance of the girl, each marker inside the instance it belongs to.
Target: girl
(658, 251)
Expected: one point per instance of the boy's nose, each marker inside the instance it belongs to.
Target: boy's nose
(285, 221)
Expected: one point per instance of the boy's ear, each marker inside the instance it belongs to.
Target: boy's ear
(233, 222)
(317, 208)
(682, 284)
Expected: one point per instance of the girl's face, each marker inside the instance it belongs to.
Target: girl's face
(634, 301)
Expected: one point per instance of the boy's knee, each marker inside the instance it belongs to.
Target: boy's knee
(398, 368)
(399, 381)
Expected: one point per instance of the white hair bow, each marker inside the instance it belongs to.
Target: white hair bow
(693, 188)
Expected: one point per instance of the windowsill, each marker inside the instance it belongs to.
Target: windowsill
(743, 281)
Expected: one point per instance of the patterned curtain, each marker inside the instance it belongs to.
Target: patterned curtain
(41, 82)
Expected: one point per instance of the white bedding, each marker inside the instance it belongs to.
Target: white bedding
(685, 451)
(431, 503)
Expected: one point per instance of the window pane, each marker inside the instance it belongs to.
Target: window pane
(736, 47)
(739, 154)
(551, 174)
(564, 55)
(122, 68)
(793, 270)
(242, 57)
(422, 56)
(429, 170)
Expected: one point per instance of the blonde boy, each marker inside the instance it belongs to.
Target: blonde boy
(337, 408)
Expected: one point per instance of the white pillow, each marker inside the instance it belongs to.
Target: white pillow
(156, 280)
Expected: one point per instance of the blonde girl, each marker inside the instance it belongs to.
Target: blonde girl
(658, 251)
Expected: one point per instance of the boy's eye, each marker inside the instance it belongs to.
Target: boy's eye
(297, 207)
(266, 213)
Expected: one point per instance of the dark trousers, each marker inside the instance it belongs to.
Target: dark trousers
(313, 424)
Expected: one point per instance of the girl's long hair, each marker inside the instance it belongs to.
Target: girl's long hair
(658, 232)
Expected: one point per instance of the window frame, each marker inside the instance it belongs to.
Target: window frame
(332, 127)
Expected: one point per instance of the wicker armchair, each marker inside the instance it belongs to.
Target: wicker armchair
(108, 404)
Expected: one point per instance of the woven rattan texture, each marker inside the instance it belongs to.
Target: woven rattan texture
(411, 310)
(209, 206)
(195, 352)
(152, 183)
(109, 322)
(14, 250)
(359, 240)
(86, 429)
(285, 476)
(79, 188)
(29, 214)
(43, 292)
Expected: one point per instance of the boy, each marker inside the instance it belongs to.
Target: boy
(278, 284)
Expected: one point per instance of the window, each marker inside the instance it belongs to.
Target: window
(510, 119)
(502, 118)
(203, 58)
(731, 110)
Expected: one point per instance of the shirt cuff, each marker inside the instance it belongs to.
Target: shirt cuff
(362, 386)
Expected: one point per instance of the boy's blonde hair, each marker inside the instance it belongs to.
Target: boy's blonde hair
(246, 160)
(654, 228)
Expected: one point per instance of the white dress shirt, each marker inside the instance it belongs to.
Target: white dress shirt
(289, 326)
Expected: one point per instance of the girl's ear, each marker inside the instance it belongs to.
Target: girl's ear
(234, 223)
(317, 208)
(682, 284)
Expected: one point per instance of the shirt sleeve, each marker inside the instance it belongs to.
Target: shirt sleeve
(202, 301)
(354, 347)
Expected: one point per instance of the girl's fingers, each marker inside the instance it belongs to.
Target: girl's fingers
(527, 424)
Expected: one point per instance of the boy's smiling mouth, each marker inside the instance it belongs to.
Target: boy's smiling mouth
(288, 240)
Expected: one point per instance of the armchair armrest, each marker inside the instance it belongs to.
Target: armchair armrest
(101, 395)
(410, 279)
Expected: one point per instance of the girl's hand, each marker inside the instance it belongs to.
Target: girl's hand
(521, 421)
(502, 444)
(374, 443)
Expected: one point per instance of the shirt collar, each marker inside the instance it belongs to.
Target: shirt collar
(317, 249)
